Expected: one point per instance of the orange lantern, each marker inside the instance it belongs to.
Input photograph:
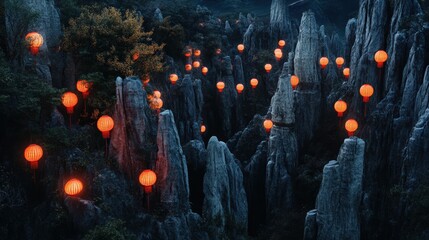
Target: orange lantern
(73, 187)
(188, 53)
(218, 51)
(196, 64)
(34, 41)
(294, 81)
(220, 86)
(239, 87)
(135, 56)
(83, 87)
(278, 54)
(204, 70)
(105, 124)
(240, 48)
(339, 61)
(197, 53)
(324, 61)
(346, 72)
(268, 67)
(173, 78)
(254, 83)
(33, 153)
(351, 126)
(340, 107)
(203, 128)
(188, 67)
(366, 91)
(69, 101)
(147, 179)
(380, 58)
(268, 124)
(157, 94)
(282, 43)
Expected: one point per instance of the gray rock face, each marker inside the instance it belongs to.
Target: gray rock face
(238, 70)
(84, 213)
(422, 98)
(282, 103)
(279, 20)
(310, 227)
(172, 185)
(282, 162)
(157, 15)
(225, 202)
(350, 40)
(338, 201)
(249, 39)
(396, 63)
(249, 139)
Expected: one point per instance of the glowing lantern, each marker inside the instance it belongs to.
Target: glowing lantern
(173, 78)
(220, 86)
(240, 48)
(340, 107)
(282, 43)
(83, 87)
(380, 58)
(351, 126)
(196, 64)
(147, 179)
(268, 67)
(324, 61)
(73, 187)
(197, 53)
(203, 128)
(157, 94)
(254, 83)
(188, 53)
(278, 54)
(218, 51)
(366, 91)
(158, 103)
(239, 87)
(33, 153)
(346, 72)
(34, 41)
(188, 67)
(204, 70)
(135, 56)
(294, 81)
(105, 124)
(268, 124)
(339, 61)
(69, 101)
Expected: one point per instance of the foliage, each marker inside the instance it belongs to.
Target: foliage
(110, 38)
(172, 35)
(113, 230)
(417, 220)
(102, 96)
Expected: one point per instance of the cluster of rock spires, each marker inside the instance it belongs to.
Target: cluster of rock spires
(249, 180)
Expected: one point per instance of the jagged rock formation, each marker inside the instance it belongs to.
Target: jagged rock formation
(157, 15)
(281, 110)
(225, 203)
(84, 213)
(280, 24)
(339, 198)
(350, 40)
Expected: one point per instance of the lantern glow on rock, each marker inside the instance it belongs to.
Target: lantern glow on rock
(324, 61)
(340, 107)
(69, 100)
(240, 48)
(268, 67)
(173, 78)
(254, 83)
(204, 71)
(34, 41)
(346, 73)
(351, 126)
(220, 86)
(380, 58)
(83, 87)
(147, 179)
(268, 124)
(33, 153)
(339, 61)
(105, 124)
(239, 88)
(294, 81)
(366, 91)
(73, 187)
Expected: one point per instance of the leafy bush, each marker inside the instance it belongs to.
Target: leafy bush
(113, 230)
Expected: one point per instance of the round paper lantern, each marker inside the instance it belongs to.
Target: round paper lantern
(73, 187)
(69, 100)
(83, 87)
(268, 67)
(147, 179)
(105, 124)
(366, 91)
(340, 107)
(220, 86)
(380, 58)
(268, 124)
(173, 78)
(197, 53)
(203, 128)
(351, 126)
(157, 94)
(346, 72)
(324, 61)
(34, 41)
(188, 67)
(33, 153)
(254, 83)
(240, 48)
(188, 53)
(282, 43)
(135, 56)
(204, 71)
(239, 88)
(218, 51)
(278, 54)
(294, 81)
(339, 61)
(196, 64)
